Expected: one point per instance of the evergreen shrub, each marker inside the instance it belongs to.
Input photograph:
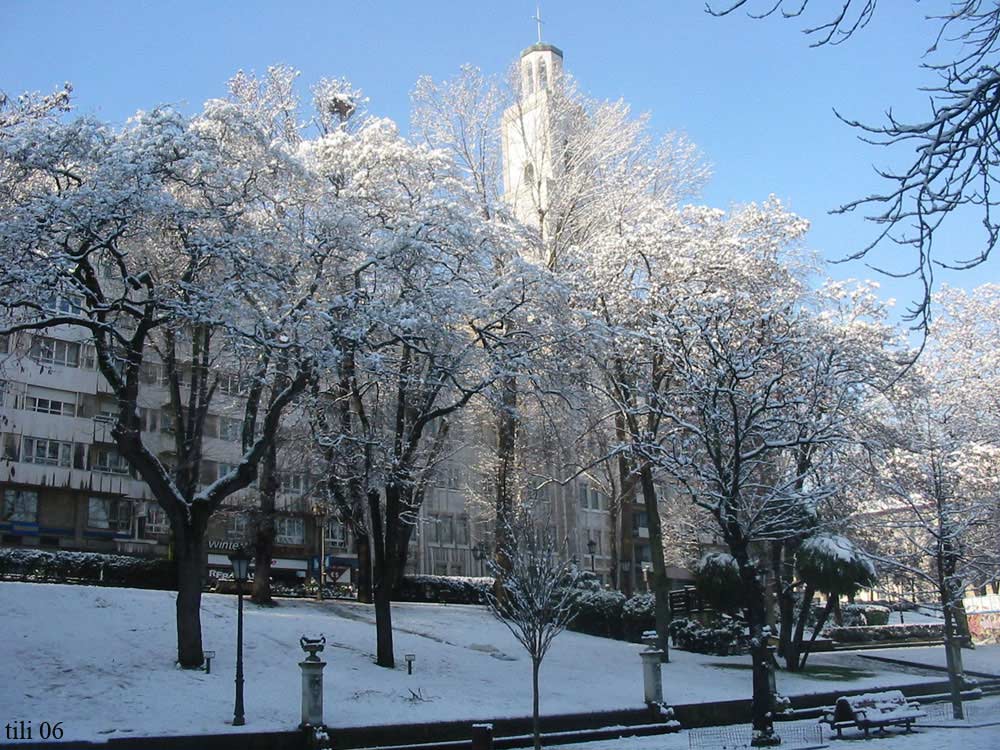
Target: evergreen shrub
(727, 636)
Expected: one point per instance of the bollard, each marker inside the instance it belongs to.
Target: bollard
(312, 682)
(482, 737)
(652, 680)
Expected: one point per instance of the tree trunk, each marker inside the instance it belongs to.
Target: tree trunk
(793, 647)
(535, 723)
(953, 655)
(362, 546)
(660, 583)
(191, 556)
(783, 566)
(506, 445)
(402, 553)
(384, 547)
(383, 621)
(762, 701)
(264, 532)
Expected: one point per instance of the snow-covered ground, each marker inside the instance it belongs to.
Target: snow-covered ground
(101, 660)
(975, 734)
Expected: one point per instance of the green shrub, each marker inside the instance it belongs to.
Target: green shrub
(860, 614)
(726, 637)
(717, 578)
(638, 616)
(598, 613)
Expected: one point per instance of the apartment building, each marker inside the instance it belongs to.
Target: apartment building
(63, 484)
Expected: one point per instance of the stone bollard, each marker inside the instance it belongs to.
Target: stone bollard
(652, 680)
(482, 737)
(312, 682)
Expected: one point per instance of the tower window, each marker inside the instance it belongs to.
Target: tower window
(543, 78)
(529, 174)
(529, 80)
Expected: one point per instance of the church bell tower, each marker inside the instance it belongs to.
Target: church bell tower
(529, 133)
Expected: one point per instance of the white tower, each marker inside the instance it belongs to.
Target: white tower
(529, 134)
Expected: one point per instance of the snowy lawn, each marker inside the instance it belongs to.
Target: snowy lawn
(101, 660)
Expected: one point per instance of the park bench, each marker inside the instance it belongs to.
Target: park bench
(873, 711)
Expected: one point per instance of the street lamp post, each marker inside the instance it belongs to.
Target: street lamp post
(240, 561)
(591, 546)
(479, 553)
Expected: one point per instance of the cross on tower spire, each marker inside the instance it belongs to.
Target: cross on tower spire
(537, 18)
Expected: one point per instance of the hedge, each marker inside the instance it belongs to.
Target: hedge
(443, 589)
(88, 567)
(727, 637)
(860, 614)
(864, 633)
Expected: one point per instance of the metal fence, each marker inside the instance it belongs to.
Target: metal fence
(943, 712)
(739, 737)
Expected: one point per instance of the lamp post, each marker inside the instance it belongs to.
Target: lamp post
(240, 561)
(479, 553)
(591, 546)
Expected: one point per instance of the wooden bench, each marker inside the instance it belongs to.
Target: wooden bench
(873, 711)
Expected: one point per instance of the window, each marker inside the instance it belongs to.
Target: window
(230, 429)
(639, 520)
(233, 384)
(156, 520)
(47, 452)
(4, 344)
(289, 531)
(336, 533)
(20, 506)
(114, 514)
(150, 419)
(11, 446)
(293, 483)
(55, 352)
(65, 303)
(50, 406)
(595, 500)
(543, 77)
(237, 530)
(583, 493)
(461, 530)
(445, 530)
(528, 82)
(529, 174)
(110, 461)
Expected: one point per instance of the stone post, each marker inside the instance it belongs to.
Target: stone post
(312, 683)
(652, 680)
(482, 737)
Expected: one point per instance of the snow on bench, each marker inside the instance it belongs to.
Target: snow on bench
(873, 710)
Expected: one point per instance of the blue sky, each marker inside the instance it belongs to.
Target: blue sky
(751, 94)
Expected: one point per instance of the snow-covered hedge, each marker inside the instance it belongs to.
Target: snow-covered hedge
(598, 613)
(727, 637)
(638, 616)
(860, 614)
(864, 634)
(444, 589)
(87, 567)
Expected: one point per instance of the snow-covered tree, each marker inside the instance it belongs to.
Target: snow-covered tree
(421, 303)
(539, 600)
(159, 246)
(937, 467)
